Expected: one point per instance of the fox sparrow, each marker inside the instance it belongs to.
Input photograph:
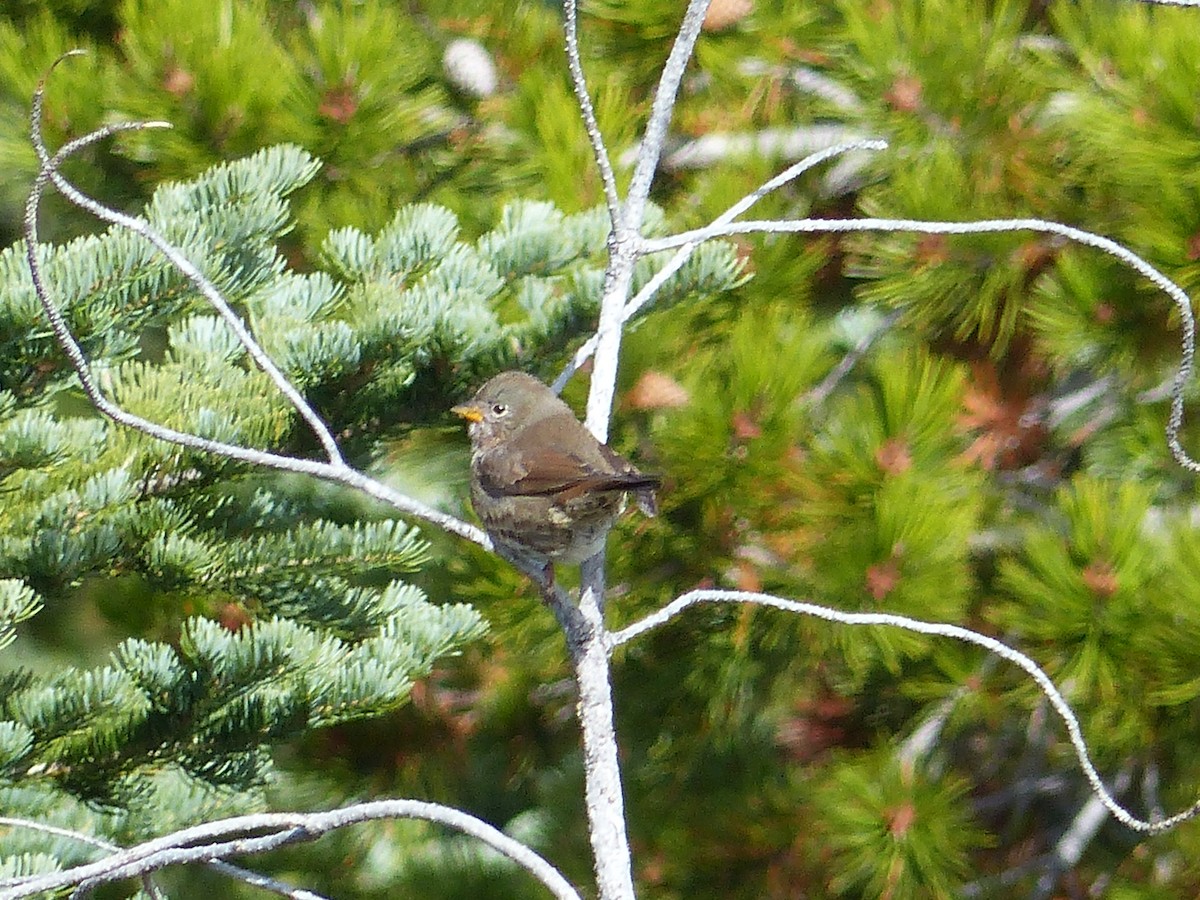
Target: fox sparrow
(544, 488)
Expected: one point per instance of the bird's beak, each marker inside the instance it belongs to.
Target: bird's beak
(470, 413)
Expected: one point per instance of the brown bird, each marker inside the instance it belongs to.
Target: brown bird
(544, 488)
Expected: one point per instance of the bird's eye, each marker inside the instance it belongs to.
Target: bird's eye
(499, 409)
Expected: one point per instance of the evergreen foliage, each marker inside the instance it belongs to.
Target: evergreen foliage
(184, 637)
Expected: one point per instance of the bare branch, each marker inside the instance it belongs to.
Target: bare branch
(1182, 302)
(660, 114)
(1081, 832)
(924, 739)
(587, 642)
(588, 647)
(258, 880)
(46, 828)
(938, 629)
(845, 366)
(684, 253)
(148, 884)
(52, 165)
(579, 83)
(245, 834)
(252, 878)
(617, 281)
(792, 143)
(624, 244)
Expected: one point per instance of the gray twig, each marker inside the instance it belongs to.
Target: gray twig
(993, 226)
(846, 364)
(939, 629)
(253, 878)
(262, 831)
(1082, 831)
(684, 253)
(588, 111)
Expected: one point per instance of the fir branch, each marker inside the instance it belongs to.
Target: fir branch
(140, 227)
(260, 832)
(206, 287)
(336, 470)
(18, 602)
(938, 629)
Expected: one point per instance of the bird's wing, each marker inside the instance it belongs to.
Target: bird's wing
(533, 463)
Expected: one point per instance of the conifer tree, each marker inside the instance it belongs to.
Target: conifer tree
(964, 429)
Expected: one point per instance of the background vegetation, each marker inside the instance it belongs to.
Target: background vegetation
(996, 459)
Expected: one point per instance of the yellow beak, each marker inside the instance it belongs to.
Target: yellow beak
(470, 413)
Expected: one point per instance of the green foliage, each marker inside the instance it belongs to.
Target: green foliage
(351, 82)
(1090, 592)
(419, 302)
(306, 622)
(1080, 319)
(892, 833)
(1129, 96)
(996, 460)
(865, 543)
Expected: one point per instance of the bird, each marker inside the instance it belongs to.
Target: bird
(545, 490)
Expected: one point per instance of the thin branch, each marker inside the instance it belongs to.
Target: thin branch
(624, 242)
(252, 878)
(265, 882)
(809, 80)
(590, 124)
(205, 853)
(938, 629)
(182, 263)
(57, 831)
(684, 253)
(148, 884)
(788, 143)
(225, 837)
(1075, 840)
(992, 226)
(924, 739)
(845, 366)
(618, 279)
(660, 114)
(335, 470)
(1099, 390)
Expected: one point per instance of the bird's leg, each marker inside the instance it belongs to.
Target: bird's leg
(545, 580)
(542, 574)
